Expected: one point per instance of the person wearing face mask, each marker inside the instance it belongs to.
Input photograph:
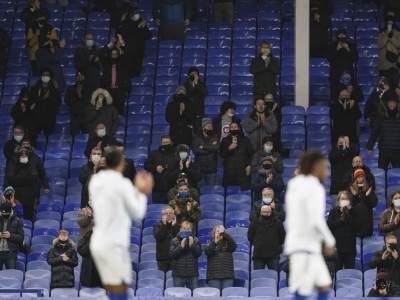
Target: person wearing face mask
(12, 145)
(32, 12)
(11, 236)
(100, 140)
(226, 117)
(185, 207)
(267, 198)
(46, 99)
(259, 123)
(341, 223)
(62, 259)
(342, 56)
(180, 117)
(390, 219)
(183, 189)
(274, 107)
(164, 232)
(9, 196)
(374, 106)
(22, 111)
(345, 115)
(205, 148)
(347, 82)
(268, 150)
(237, 152)
(266, 177)
(384, 287)
(320, 13)
(364, 201)
(358, 163)
(265, 69)
(101, 110)
(86, 172)
(267, 236)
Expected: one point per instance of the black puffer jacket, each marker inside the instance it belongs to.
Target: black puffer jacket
(16, 229)
(343, 230)
(206, 151)
(363, 205)
(220, 259)
(185, 260)
(163, 235)
(89, 274)
(62, 272)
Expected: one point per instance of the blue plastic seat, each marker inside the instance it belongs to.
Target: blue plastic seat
(64, 293)
(235, 292)
(263, 292)
(149, 292)
(178, 292)
(206, 292)
(349, 292)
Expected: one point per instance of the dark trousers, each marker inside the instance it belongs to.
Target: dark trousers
(8, 259)
(346, 261)
(271, 262)
(118, 96)
(164, 265)
(386, 158)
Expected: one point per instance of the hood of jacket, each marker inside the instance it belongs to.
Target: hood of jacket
(103, 92)
(70, 242)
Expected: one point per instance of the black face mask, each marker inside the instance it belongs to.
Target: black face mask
(234, 132)
(62, 245)
(265, 217)
(208, 132)
(164, 148)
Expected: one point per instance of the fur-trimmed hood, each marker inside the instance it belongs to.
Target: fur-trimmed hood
(71, 243)
(103, 92)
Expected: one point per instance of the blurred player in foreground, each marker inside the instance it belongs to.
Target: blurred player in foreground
(307, 231)
(116, 201)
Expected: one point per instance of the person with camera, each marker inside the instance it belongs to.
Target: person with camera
(185, 208)
(184, 251)
(9, 196)
(267, 198)
(384, 287)
(267, 235)
(341, 223)
(387, 260)
(164, 232)
(220, 269)
(390, 219)
(374, 104)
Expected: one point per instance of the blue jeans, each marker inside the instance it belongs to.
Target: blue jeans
(189, 282)
(8, 259)
(220, 283)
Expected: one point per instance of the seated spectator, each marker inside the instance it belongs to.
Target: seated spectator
(387, 131)
(26, 175)
(265, 69)
(9, 196)
(11, 146)
(22, 111)
(348, 83)
(373, 107)
(364, 200)
(390, 219)
(267, 235)
(387, 260)
(267, 177)
(46, 99)
(345, 115)
(341, 223)
(100, 140)
(267, 198)
(259, 124)
(358, 163)
(205, 148)
(237, 152)
(223, 11)
(268, 151)
(185, 208)
(341, 157)
(102, 111)
(159, 162)
(76, 98)
(164, 232)
(384, 288)
(62, 258)
(11, 236)
(182, 188)
(222, 123)
(180, 117)
(220, 269)
(185, 250)
(86, 171)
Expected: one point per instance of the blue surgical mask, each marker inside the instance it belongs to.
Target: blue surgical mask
(183, 194)
(267, 201)
(396, 202)
(345, 80)
(185, 234)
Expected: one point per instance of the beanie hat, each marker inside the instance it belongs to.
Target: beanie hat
(205, 121)
(358, 173)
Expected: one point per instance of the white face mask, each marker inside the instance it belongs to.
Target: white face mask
(396, 203)
(389, 27)
(136, 17)
(95, 158)
(231, 114)
(183, 155)
(18, 138)
(268, 148)
(45, 79)
(344, 203)
(101, 132)
(23, 160)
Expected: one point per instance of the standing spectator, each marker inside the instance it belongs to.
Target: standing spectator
(180, 116)
(387, 131)
(223, 11)
(390, 219)
(226, 116)
(196, 92)
(274, 107)
(364, 200)
(9, 196)
(159, 162)
(320, 13)
(182, 188)
(259, 123)
(341, 157)
(268, 151)
(358, 163)
(345, 114)
(22, 111)
(102, 111)
(32, 13)
(236, 150)
(387, 260)
(267, 198)
(164, 232)
(46, 99)
(220, 269)
(342, 56)
(11, 236)
(4, 47)
(85, 220)
(348, 83)
(185, 209)
(267, 177)
(205, 148)
(11, 146)
(172, 16)
(86, 171)
(374, 107)
(384, 288)
(129, 170)
(63, 259)
(341, 223)
(185, 250)
(100, 140)
(265, 69)
(267, 235)
(134, 31)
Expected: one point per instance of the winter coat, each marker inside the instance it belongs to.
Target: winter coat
(373, 106)
(256, 210)
(122, 80)
(345, 121)
(107, 114)
(348, 177)
(259, 156)
(217, 126)
(258, 182)
(25, 118)
(10, 148)
(197, 95)
(171, 11)
(319, 33)
(341, 163)
(267, 237)
(264, 76)
(393, 291)
(85, 223)
(88, 60)
(193, 173)
(220, 258)
(363, 213)
(95, 140)
(192, 216)
(342, 60)
(389, 266)
(387, 223)
(77, 102)
(206, 152)
(388, 42)
(62, 272)
(16, 228)
(36, 37)
(89, 275)
(257, 131)
(193, 193)
(164, 235)
(344, 231)
(46, 59)
(85, 173)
